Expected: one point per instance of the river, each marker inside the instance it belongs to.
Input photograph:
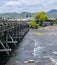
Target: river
(39, 47)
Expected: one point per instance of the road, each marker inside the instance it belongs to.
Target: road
(39, 47)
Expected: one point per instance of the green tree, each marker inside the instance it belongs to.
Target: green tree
(27, 15)
(40, 17)
(30, 16)
(32, 24)
(56, 21)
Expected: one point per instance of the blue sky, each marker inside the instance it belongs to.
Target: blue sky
(27, 5)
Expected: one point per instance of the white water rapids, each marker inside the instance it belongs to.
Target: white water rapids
(38, 52)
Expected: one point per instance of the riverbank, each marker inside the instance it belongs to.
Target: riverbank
(48, 28)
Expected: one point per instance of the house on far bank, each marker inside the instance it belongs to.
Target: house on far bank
(45, 23)
(27, 19)
(48, 22)
(51, 19)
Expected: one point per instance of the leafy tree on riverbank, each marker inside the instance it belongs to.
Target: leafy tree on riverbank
(56, 21)
(40, 17)
(32, 24)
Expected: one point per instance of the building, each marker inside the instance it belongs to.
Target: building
(45, 23)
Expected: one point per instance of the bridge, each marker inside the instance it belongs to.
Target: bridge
(37, 48)
(11, 33)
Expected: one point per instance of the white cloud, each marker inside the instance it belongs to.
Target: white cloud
(31, 2)
(28, 5)
(25, 2)
(12, 3)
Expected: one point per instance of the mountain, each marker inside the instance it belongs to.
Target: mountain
(24, 14)
(9, 15)
(52, 13)
(16, 15)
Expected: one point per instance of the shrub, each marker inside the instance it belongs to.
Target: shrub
(32, 24)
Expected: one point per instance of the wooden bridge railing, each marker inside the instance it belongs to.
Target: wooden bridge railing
(11, 33)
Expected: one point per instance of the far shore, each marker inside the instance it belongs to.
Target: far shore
(48, 28)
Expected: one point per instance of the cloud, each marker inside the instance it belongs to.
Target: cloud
(27, 5)
(12, 3)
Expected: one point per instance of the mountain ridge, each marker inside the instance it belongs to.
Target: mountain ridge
(51, 13)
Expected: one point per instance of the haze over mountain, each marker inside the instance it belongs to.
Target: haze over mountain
(52, 14)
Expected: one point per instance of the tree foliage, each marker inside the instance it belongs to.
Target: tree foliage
(56, 20)
(27, 15)
(32, 24)
(40, 17)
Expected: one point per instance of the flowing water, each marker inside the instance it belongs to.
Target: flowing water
(46, 45)
(38, 46)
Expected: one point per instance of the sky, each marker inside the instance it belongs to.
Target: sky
(33, 6)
